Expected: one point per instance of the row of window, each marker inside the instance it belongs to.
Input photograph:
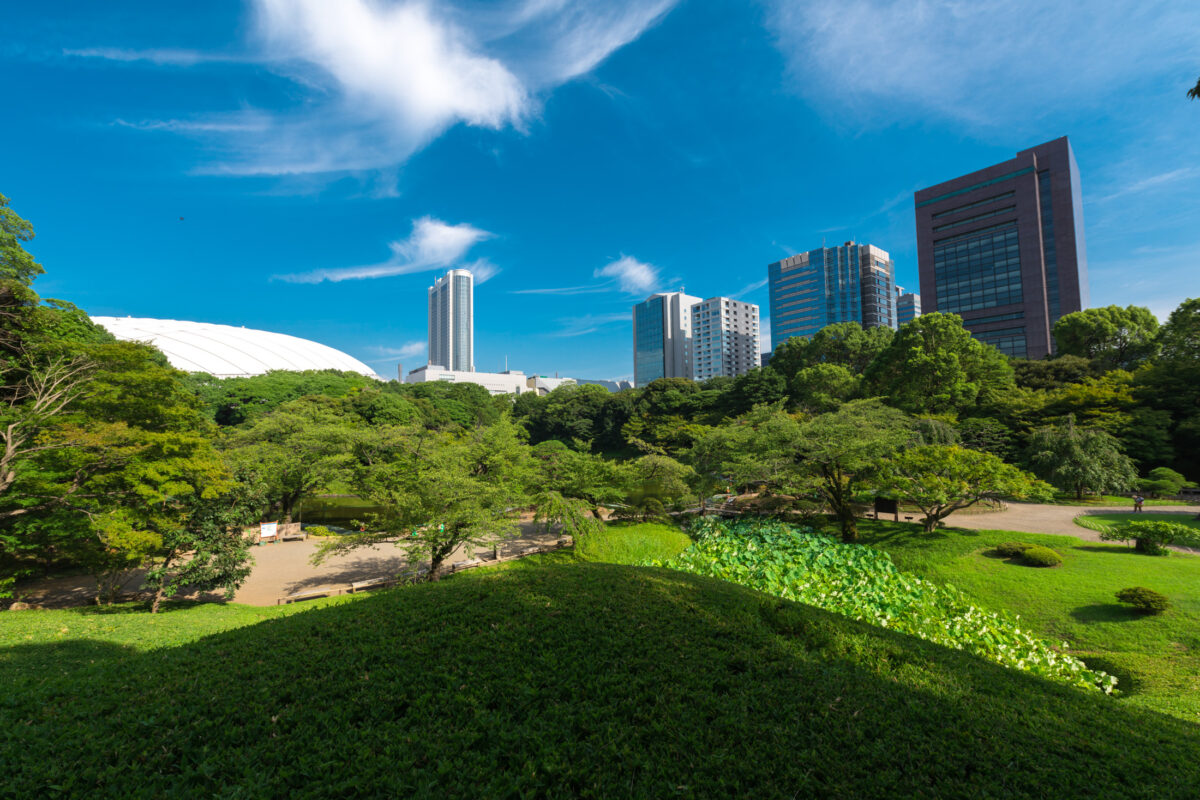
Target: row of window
(976, 204)
(976, 218)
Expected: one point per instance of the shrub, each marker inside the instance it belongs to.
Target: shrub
(318, 530)
(1038, 556)
(1145, 600)
(1152, 536)
(864, 584)
(1012, 549)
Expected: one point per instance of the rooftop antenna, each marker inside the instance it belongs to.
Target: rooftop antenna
(506, 362)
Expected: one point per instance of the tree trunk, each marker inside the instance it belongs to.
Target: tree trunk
(158, 597)
(1078, 492)
(849, 525)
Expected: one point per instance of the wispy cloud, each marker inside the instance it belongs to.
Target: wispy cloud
(984, 62)
(161, 56)
(1153, 182)
(432, 244)
(405, 351)
(632, 276)
(748, 288)
(385, 79)
(590, 323)
(568, 290)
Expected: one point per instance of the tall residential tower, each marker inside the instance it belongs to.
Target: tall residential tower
(452, 321)
(851, 283)
(725, 338)
(662, 337)
(1003, 248)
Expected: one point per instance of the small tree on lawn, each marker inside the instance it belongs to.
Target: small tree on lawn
(842, 450)
(1152, 537)
(1078, 459)
(440, 492)
(1164, 481)
(941, 479)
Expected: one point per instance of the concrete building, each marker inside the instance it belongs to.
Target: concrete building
(510, 382)
(1004, 248)
(908, 306)
(544, 386)
(725, 338)
(612, 386)
(662, 334)
(452, 321)
(851, 283)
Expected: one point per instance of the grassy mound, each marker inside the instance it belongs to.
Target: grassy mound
(1157, 659)
(632, 543)
(583, 680)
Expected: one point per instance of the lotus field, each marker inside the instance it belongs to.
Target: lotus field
(862, 583)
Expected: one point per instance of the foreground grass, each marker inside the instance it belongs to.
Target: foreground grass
(577, 680)
(1156, 659)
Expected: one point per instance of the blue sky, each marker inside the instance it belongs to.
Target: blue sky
(329, 159)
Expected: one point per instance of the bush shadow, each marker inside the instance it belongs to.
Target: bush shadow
(1105, 612)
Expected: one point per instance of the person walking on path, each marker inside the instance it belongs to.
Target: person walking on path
(1137, 503)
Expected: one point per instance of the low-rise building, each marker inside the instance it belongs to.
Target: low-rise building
(508, 382)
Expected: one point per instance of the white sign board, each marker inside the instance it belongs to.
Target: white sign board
(268, 530)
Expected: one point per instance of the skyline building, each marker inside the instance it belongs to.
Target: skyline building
(725, 338)
(851, 283)
(908, 306)
(452, 321)
(1003, 247)
(662, 333)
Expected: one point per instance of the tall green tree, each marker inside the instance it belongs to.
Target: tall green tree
(934, 366)
(843, 344)
(1172, 383)
(941, 479)
(823, 387)
(1079, 460)
(443, 491)
(1118, 338)
(843, 450)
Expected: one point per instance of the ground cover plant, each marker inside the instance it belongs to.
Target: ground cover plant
(862, 583)
(1156, 658)
(579, 680)
(1100, 522)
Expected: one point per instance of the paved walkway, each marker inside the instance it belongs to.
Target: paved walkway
(280, 569)
(1034, 518)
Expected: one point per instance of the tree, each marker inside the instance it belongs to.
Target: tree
(658, 483)
(1152, 537)
(986, 434)
(843, 449)
(1051, 373)
(823, 387)
(941, 479)
(592, 479)
(1172, 383)
(844, 344)
(441, 492)
(234, 401)
(1118, 338)
(934, 366)
(1079, 459)
(758, 386)
(1194, 92)
(1164, 481)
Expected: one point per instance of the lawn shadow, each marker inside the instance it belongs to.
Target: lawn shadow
(1105, 612)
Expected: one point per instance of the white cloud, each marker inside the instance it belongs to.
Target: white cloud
(632, 276)
(748, 288)
(988, 62)
(432, 244)
(162, 56)
(383, 79)
(406, 350)
(590, 323)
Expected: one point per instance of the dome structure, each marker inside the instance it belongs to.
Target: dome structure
(228, 352)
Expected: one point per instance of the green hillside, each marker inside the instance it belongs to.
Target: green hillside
(572, 680)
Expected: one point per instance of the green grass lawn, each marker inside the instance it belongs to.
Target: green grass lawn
(1156, 659)
(1097, 521)
(1067, 499)
(569, 681)
(616, 543)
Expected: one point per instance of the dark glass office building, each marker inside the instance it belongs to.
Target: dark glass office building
(1003, 248)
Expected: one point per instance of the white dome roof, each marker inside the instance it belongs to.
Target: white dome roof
(228, 352)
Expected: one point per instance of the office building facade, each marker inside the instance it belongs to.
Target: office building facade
(725, 338)
(452, 321)
(850, 283)
(1004, 248)
(908, 306)
(662, 334)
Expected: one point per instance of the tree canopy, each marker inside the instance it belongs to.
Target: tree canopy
(1119, 338)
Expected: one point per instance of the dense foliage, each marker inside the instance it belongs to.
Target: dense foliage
(863, 583)
(1145, 600)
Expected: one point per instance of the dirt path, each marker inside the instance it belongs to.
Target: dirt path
(280, 569)
(1033, 518)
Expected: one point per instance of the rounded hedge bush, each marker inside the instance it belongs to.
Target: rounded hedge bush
(1038, 556)
(1012, 549)
(319, 530)
(1145, 600)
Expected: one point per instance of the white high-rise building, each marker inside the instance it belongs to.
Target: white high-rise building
(662, 337)
(452, 321)
(725, 338)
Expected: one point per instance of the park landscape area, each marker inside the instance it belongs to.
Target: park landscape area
(730, 618)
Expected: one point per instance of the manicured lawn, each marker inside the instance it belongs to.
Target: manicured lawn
(1061, 499)
(1094, 521)
(617, 543)
(1157, 659)
(569, 681)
